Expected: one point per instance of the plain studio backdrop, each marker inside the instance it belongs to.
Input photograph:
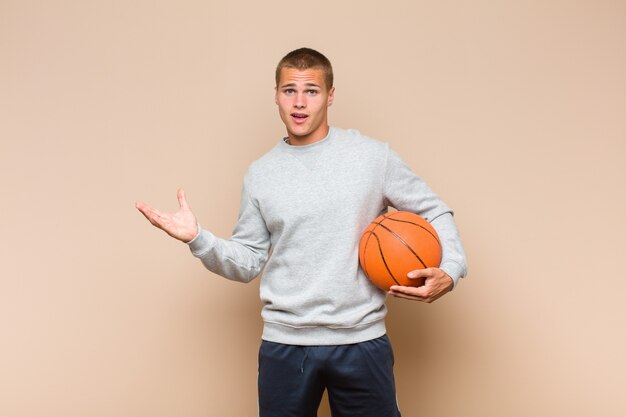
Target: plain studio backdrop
(514, 112)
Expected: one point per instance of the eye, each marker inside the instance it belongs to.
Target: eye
(312, 92)
(289, 91)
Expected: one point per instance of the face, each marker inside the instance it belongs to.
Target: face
(303, 101)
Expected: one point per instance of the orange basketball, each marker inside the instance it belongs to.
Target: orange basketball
(395, 244)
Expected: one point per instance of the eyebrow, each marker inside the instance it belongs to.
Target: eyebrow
(295, 85)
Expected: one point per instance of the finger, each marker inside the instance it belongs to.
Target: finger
(420, 273)
(182, 199)
(423, 300)
(405, 292)
(418, 292)
(411, 293)
(407, 297)
(152, 214)
(143, 208)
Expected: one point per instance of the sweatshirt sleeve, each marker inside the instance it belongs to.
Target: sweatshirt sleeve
(242, 257)
(404, 190)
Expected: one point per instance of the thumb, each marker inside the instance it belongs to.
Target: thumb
(182, 199)
(418, 273)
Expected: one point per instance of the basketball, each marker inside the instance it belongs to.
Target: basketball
(396, 243)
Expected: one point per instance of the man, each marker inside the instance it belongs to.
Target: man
(308, 200)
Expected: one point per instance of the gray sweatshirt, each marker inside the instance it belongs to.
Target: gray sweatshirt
(303, 210)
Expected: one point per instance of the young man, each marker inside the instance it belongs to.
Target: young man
(309, 199)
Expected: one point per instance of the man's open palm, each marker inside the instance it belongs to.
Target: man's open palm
(181, 225)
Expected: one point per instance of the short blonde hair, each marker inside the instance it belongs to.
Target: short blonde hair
(306, 58)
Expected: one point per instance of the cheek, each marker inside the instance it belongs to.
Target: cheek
(320, 107)
(283, 104)
(281, 107)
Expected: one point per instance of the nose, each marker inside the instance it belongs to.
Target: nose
(300, 101)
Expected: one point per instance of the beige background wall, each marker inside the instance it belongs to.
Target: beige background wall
(515, 112)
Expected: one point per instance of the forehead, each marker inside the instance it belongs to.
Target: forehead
(301, 77)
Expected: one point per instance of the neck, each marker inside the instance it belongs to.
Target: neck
(316, 136)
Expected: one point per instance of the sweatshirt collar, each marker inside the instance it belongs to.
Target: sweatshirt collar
(303, 148)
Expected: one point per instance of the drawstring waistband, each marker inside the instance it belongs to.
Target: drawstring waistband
(306, 353)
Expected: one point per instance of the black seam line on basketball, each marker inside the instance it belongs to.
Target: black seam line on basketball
(365, 251)
(418, 225)
(371, 232)
(365, 247)
(378, 223)
(382, 255)
(404, 243)
(385, 216)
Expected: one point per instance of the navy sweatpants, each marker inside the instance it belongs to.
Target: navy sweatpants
(358, 377)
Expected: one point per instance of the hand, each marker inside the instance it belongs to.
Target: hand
(436, 284)
(181, 225)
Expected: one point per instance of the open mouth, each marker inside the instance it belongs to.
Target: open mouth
(299, 117)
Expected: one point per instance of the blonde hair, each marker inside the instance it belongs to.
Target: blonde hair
(306, 58)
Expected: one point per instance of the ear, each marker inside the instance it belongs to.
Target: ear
(276, 95)
(331, 97)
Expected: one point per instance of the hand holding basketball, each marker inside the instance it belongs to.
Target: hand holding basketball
(181, 225)
(436, 284)
(396, 244)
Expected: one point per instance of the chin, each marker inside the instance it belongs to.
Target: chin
(299, 132)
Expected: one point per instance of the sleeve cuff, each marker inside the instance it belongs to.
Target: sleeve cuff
(454, 270)
(203, 242)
